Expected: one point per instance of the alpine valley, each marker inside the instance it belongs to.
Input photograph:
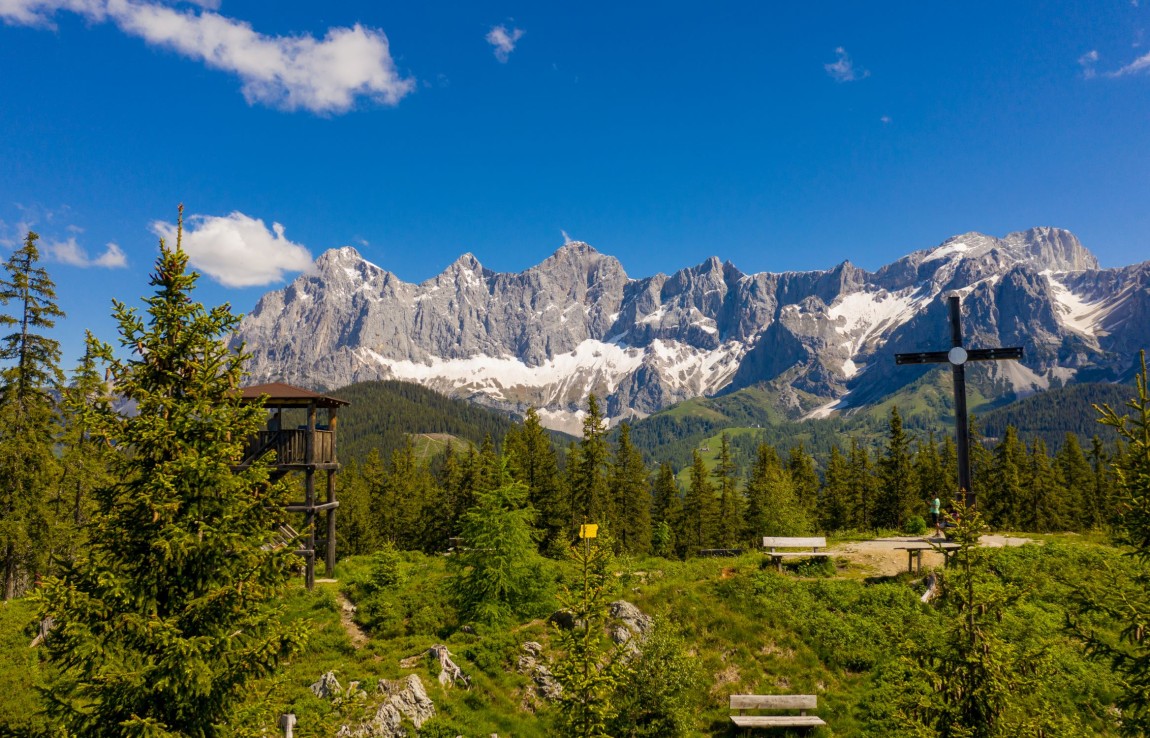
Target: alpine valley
(821, 342)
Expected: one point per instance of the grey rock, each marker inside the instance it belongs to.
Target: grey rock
(327, 687)
(405, 699)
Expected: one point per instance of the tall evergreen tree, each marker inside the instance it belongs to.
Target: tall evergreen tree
(1003, 498)
(699, 525)
(804, 478)
(1128, 602)
(497, 574)
(773, 508)
(864, 487)
(84, 462)
(1076, 477)
(730, 513)
(632, 490)
(836, 493)
(666, 511)
(1100, 499)
(532, 461)
(590, 496)
(1044, 494)
(170, 613)
(896, 496)
(929, 472)
(28, 421)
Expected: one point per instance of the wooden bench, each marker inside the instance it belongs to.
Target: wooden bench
(774, 543)
(800, 702)
(914, 551)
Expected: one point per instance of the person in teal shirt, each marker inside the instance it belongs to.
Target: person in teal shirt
(935, 508)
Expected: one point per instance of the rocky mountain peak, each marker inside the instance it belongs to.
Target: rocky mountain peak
(576, 324)
(1052, 248)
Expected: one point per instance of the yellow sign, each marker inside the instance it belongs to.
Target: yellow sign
(588, 530)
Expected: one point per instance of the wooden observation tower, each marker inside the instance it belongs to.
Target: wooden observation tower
(303, 440)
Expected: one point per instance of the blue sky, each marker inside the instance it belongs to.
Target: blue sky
(776, 135)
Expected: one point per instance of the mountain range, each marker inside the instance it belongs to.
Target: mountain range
(821, 341)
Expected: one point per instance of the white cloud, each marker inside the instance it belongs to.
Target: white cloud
(1087, 62)
(885, 119)
(287, 72)
(237, 250)
(843, 68)
(504, 41)
(1141, 64)
(566, 238)
(70, 252)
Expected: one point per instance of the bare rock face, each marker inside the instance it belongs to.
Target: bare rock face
(534, 664)
(327, 687)
(632, 621)
(576, 324)
(406, 699)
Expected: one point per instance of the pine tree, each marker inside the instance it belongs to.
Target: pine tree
(1076, 477)
(84, 462)
(864, 488)
(632, 490)
(1044, 494)
(1128, 602)
(700, 511)
(497, 574)
(804, 479)
(929, 472)
(28, 422)
(835, 507)
(896, 496)
(666, 511)
(1002, 498)
(773, 508)
(1100, 499)
(589, 669)
(161, 625)
(730, 513)
(590, 495)
(532, 461)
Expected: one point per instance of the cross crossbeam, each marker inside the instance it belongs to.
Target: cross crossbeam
(957, 357)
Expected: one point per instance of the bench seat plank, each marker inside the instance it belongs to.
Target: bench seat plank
(774, 701)
(777, 721)
(783, 542)
(798, 554)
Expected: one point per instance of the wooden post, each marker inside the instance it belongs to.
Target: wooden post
(329, 557)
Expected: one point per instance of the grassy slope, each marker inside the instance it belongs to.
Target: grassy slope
(750, 631)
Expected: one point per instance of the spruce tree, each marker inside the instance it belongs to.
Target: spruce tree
(835, 508)
(1002, 499)
(730, 513)
(896, 496)
(497, 574)
(700, 511)
(773, 508)
(1128, 602)
(632, 491)
(1045, 495)
(590, 496)
(532, 461)
(84, 462)
(170, 614)
(590, 669)
(666, 511)
(864, 488)
(28, 420)
(1076, 477)
(804, 479)
(1100, 498)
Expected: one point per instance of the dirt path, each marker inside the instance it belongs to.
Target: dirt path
(882, 557)
(347, 620)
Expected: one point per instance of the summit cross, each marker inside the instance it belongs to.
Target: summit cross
(957, 356)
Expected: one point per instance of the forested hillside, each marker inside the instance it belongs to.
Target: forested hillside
(382, 414)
